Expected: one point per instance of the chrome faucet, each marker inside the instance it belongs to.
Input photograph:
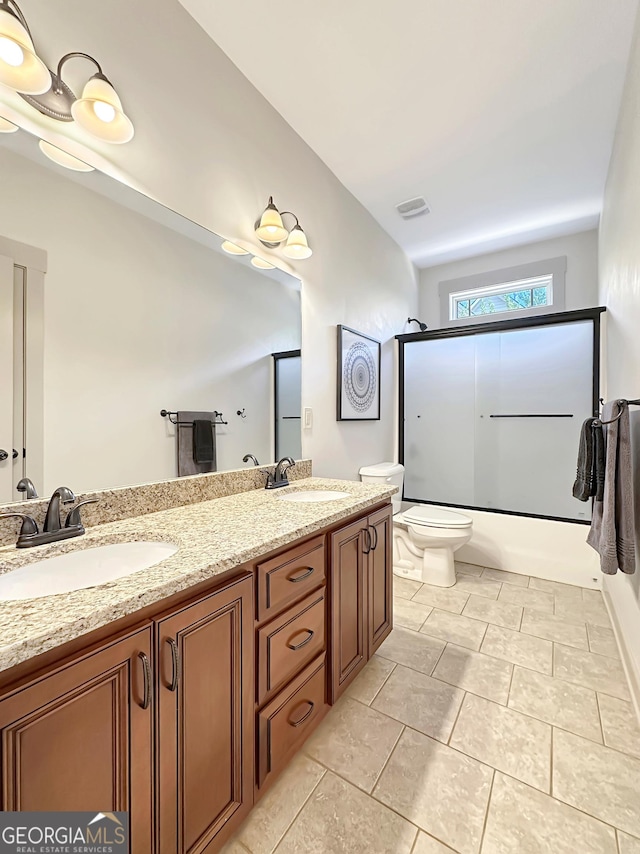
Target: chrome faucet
(52, 530)
(52, 519)
(26, 485)
(280, 474)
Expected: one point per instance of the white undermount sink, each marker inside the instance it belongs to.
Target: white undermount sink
(307, 496)
(80, 569)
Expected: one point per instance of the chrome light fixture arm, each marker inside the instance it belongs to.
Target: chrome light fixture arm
(12, 7)
(57, 77)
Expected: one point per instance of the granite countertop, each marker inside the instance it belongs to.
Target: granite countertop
(212, 538)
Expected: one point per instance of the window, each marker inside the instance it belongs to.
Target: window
(509, 296)
(523, 291)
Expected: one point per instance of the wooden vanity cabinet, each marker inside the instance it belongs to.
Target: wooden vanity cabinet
(184, 714)
(204, 654)
(80, 737)
(361, 594)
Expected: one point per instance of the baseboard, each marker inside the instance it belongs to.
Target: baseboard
(633, 677)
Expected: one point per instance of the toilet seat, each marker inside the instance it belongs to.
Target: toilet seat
(436, 517)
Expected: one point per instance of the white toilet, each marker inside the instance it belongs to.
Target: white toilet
(425, 537)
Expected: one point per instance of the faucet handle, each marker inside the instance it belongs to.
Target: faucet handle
(73, 516)
(29, 525)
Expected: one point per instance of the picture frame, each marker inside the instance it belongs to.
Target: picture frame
(358, 377)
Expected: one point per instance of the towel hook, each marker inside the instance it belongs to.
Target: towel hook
(240, 412)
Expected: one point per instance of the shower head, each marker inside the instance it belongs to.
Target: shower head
(423, 326)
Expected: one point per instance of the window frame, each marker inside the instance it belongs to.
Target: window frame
(555, 268)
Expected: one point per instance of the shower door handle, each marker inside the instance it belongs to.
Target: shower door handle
(534, 415)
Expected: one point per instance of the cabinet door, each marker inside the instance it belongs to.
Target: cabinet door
(80, 739)
(205, 726)
(348, 605)
(380, 581)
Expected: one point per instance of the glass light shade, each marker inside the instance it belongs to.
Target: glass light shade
(233, 249)
(261, 264)
(270, 227)
(297, 245)
(20, 68)
(62, 158)
(7, 127)
(100, 112)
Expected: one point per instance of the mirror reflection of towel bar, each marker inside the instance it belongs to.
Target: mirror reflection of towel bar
(166, 414)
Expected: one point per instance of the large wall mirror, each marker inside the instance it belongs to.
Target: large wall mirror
(113, 308)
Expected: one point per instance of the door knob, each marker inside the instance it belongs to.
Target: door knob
(3, 456)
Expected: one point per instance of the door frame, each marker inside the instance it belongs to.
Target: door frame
(593, 314)
(34, 262)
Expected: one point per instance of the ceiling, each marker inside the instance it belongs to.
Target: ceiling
(500, 112)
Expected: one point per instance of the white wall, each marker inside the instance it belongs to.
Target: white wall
(581, 280)
(620, 292)
(139, 318)
(208, 145)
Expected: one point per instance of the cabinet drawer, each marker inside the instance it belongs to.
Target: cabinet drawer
(286, 722)
(288, 643)
(287, 577)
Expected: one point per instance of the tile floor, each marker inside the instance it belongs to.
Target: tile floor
(495, 718)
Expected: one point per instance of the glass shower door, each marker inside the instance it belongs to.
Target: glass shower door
(492, 419)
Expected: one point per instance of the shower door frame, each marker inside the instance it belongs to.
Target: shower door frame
(592, 314)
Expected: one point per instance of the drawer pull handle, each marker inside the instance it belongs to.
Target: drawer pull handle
(305, 717)
(175, 664)
(375, 544)
(146, 670)
(304, 642)
(296, 578)
(367, 537)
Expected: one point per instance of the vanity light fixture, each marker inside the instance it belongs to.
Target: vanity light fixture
(99, 111)
(233, 248)
(63, 158)
(7, 127)
(271, 232)
(261, 264)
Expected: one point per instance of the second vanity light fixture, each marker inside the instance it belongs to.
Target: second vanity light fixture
(272, 232)
(98, 111)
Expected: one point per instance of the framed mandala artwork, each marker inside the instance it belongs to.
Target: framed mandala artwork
(358, 376)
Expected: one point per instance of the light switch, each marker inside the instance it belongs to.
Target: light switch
(308, 418)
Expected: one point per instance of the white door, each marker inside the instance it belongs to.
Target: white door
(6, 379)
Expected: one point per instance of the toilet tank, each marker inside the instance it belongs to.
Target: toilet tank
(383, 473)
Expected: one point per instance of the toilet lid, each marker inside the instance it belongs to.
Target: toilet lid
(436, 517)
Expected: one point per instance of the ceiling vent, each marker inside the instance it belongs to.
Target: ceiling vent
(413, 207)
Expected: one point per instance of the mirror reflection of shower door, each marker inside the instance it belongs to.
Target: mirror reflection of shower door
(6, 379)
(288, 404)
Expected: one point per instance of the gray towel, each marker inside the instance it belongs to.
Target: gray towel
(186, 463)
(612, 529)
(590, 468)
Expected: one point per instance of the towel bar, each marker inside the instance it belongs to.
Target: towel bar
(165, 413)
(620, 402)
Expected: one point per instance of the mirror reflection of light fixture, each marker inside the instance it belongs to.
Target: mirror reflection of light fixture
(7, 127)
(20, 67)
(98, 112)
(271, 232)
(63, 158)
(261, 264)
(233, 248)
